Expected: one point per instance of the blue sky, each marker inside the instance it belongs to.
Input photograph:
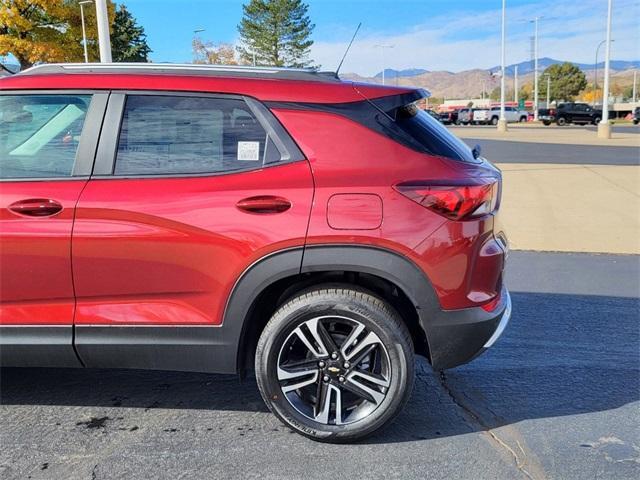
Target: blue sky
(432, 34)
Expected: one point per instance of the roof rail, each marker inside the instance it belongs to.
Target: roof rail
(242, 71)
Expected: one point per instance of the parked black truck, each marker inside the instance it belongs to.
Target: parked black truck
(570, 112)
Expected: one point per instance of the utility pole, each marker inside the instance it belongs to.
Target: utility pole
(535, 69)
(515, 85)
(635, 86)
(104, 41)
(502, 122)
(604, 129)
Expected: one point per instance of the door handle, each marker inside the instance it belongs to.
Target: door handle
(36, 207)
(264, 204)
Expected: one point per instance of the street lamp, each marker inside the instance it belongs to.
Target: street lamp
(382, 47)
(548, 87)
(604, 129)
(502, 123)
(595, 78)
(84, 32)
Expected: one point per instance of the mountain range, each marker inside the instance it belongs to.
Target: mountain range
(523, 68)
(470, 83)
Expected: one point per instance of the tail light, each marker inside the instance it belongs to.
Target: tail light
(552, 111)
(456, 202)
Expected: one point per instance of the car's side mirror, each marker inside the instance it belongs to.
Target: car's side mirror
(476, 151)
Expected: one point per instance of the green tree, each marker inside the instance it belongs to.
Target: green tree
(275, 32)
(128, 40)
(567, 81)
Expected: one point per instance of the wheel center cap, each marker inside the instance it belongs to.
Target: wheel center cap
(334, 368)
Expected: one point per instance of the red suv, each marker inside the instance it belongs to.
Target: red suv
(214, 219)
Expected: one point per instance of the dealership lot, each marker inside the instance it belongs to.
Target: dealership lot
(557, 397)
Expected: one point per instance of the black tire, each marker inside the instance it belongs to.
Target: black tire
(561, 121)
(547, 123)
(636, 121)
(523, 119)
(494, 121)
(596, 120)
(281, 339)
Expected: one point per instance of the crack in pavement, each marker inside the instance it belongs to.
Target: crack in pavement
(476, 418)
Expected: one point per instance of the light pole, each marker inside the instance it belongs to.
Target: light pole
(382, 47)
(84, 32)
(502, 122)
(604, 129)
(104, 40)
(595, 73)
(635, 86)
(535, 69)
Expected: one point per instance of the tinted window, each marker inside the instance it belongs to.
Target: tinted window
(187, 135)
(431, 134)
(39, 134)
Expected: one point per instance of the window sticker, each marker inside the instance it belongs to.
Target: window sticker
(249, 151)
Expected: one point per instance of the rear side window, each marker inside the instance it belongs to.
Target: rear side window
(39, 134)
(163, 135)
(431, 135)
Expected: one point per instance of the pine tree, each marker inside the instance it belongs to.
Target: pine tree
(275, 32)
(128, 40)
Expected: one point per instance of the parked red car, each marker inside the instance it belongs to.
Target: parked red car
(216, 219)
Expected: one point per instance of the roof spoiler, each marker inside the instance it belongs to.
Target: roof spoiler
(390, 104)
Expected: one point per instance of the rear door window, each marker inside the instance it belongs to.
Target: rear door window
(39, 134)
(165, 135)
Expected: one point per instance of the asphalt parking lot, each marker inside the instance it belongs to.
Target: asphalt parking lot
(557, 397)
(501, 151)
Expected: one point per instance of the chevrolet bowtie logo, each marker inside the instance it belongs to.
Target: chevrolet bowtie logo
(333, 369)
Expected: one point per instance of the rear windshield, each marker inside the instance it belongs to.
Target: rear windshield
(431, 134)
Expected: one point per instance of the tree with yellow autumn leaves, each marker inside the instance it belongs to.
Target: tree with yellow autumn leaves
(51, 31)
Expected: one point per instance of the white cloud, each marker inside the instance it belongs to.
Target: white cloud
(461, 40)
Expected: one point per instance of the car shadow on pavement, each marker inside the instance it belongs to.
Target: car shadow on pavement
(561, 355)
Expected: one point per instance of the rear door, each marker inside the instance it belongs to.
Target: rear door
(188, 191)
(578, 113)
(47, 146)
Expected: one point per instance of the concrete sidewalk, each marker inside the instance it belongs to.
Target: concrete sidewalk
(565, 135)
(572, 208)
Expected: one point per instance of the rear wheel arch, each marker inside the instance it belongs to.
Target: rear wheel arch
(269, 282)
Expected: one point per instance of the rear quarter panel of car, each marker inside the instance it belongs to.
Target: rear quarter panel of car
(347, 157)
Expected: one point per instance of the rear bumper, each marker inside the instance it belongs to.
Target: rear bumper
(458, 336)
